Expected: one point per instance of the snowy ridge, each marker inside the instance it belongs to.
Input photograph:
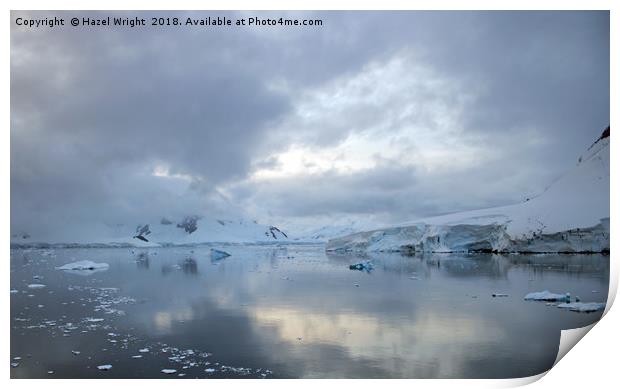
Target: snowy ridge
(571, 215)
(327, 232)
(161, 232)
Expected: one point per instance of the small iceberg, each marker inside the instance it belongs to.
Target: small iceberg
(36, 286)
(547, 296)
(367, 266)
(84, 268)
(104, 367)
(218, 254)
(168, 371)
(582, 307)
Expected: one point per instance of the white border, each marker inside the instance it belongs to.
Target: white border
(594, 361)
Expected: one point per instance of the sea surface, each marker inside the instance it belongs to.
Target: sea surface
(291, 311)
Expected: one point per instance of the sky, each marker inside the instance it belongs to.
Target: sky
(378, 117)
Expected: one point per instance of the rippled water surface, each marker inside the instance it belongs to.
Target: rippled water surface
(292, 311)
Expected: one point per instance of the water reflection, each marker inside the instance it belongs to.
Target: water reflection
(477, 265)
(190, 266)
(302, 313)
(142, 261)
(166, 269)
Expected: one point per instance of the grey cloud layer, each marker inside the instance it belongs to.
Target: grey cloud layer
(94, 112)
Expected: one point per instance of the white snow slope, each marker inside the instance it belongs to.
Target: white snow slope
(330, 231)
(572, 215)
(207, 231)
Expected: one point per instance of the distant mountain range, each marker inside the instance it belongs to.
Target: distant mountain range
(165, 231)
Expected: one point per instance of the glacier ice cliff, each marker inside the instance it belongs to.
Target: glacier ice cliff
(570, 216)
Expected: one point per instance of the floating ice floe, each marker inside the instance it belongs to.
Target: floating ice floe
(547, 296)
(13, 291)
(582, 307)
(84, 268)
(104, 367)
(210, 370)
(136, 356)
(83, 265)
(367, 266)
(168, 371)
(36, 286)
(93, 319)
(144, 350)
(218, 254)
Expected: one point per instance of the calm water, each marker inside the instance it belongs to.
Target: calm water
(281, 312)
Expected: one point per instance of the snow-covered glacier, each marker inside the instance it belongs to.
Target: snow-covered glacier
(570, 216)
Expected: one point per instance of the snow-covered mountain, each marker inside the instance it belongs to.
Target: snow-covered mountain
(571, 215)
(189, 230)
(330, 231)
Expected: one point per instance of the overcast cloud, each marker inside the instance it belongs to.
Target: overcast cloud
(374, 115)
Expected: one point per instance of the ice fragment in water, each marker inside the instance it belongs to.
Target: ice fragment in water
(85, 267)
(582, 307)
(218, 254)
(93, 320)
(367, 266)
(547, 296)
